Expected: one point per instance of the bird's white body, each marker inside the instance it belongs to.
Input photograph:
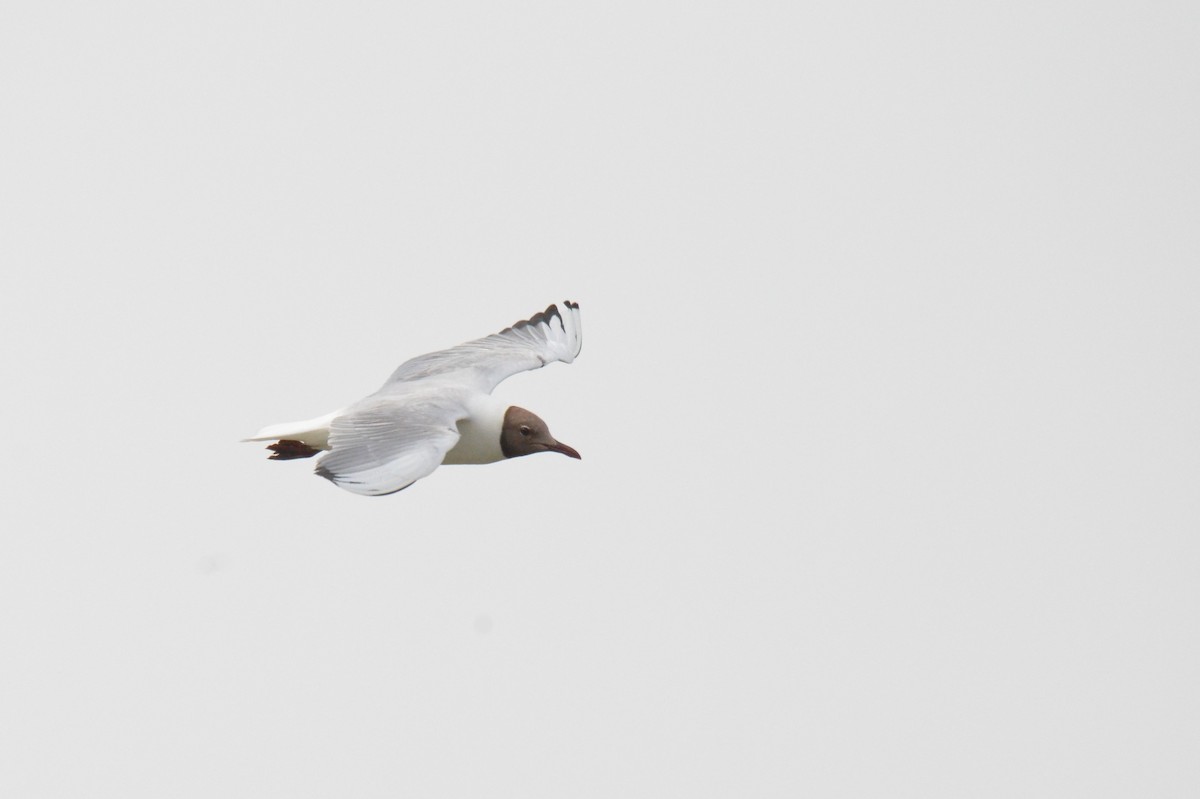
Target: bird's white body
(479, 432)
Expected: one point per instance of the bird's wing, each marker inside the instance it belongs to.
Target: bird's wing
(387, 442)
(548, 336)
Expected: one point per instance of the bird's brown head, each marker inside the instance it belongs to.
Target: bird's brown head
(524, 434)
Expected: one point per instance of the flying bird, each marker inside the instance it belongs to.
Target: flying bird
(437, 409)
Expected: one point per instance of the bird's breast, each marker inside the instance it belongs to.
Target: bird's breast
(479, 434)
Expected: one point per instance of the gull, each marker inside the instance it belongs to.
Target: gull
(437, 409)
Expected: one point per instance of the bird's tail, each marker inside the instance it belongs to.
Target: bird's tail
(296, 439)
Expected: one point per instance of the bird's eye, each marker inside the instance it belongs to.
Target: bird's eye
(525, 431)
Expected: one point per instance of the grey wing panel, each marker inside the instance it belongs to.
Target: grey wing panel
(547, 336)
(384, 444)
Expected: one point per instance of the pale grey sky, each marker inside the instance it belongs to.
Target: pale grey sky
(887, 401)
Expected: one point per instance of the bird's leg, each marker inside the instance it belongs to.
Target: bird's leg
(286, 450)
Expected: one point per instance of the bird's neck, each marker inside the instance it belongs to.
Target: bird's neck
(479, 433)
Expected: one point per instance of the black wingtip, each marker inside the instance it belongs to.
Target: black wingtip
(542, 317)
(538, 318)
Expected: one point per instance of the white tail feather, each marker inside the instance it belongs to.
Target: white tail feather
(313, 432)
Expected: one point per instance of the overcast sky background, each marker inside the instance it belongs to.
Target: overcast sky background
(887, 401)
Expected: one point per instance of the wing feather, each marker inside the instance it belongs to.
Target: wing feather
(547, 336)
(386, 443)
